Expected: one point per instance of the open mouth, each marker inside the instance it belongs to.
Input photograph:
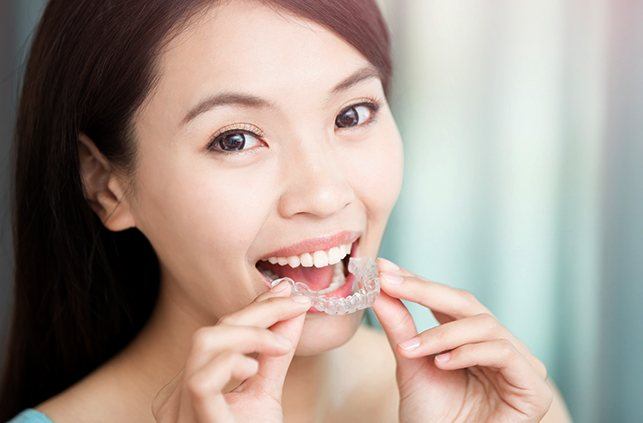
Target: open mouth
(325, 272)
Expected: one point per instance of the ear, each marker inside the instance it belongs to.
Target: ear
(102, 188)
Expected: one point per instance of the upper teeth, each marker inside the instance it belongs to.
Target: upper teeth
(319, 258)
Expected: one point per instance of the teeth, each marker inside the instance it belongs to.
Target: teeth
(319, 258)
(335, 255)
(337, 281)
(306, 260)
(293, 261)
(365, 289)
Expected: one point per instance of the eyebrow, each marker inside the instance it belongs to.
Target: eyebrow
(249, 100)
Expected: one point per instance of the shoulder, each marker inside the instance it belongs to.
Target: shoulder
(30, 415)
(65, 407)
(92, 398)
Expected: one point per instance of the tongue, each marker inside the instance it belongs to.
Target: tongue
(315, 277)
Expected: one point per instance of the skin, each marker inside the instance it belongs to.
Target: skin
(211, 352)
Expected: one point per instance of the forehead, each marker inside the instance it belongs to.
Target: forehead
(245, 45)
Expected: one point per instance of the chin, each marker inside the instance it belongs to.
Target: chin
(323, 332)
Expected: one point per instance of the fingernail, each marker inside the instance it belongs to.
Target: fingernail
(302, 299)
(387, 264)
(392, 279)
(443, 358)
(411, 344)
(280, 287)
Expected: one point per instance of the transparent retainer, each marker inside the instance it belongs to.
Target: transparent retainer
(366, 287)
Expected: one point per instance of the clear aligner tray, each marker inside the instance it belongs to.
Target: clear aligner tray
(366, 287)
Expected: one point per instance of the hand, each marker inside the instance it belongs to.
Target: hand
(219, 382)
(468, 368)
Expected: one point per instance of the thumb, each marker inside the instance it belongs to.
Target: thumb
(398, 325)
(272, 369)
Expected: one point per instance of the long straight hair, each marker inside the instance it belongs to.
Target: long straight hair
(82, 292)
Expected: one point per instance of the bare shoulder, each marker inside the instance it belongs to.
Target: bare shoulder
(69, 405)
(93, 398)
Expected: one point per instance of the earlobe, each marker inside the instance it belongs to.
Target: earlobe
(102, 187)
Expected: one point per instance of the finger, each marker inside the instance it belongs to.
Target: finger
(205, 385)
(395, 319)
(446, 303)
(398, 325)
(273, 369)
(453, 302)
(498, 354)
(387, 266)
(450, 335)
(282, 289)
(478, 328)
(211, 340)
(267, 312)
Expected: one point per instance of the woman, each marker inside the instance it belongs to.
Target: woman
(165, 151)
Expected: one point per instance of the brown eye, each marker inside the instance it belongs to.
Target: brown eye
(232, 141)
(356, 115)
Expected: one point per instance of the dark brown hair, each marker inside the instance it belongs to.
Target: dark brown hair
(81, 292)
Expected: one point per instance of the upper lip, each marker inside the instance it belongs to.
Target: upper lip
(314, 244)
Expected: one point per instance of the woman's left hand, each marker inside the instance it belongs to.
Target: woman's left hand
(468, 368)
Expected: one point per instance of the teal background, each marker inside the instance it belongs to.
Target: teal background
(522, 124)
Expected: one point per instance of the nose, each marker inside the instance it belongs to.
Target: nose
(316, 184)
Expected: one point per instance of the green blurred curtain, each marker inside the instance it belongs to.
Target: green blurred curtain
(523, 131)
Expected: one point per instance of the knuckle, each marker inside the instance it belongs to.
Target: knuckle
(274, 301)
(227, 319)
(267, 336)
(489, 323)
(256, 335)
(507, 349)
(468, 299)
(196, 387)
(201, 339)
(541, 368)
(438, 336)
(403, 321)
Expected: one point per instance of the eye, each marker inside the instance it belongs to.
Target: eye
(234, 141)
(357, 114)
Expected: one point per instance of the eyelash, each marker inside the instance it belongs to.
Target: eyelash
(372, 103)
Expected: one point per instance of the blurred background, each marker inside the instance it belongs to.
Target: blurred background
(523, 134)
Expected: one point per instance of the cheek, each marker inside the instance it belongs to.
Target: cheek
(376, 168)
(200, 219)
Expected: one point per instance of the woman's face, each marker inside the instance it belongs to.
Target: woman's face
(212, 213)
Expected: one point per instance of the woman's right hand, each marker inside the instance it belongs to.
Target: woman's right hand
(220, 382)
